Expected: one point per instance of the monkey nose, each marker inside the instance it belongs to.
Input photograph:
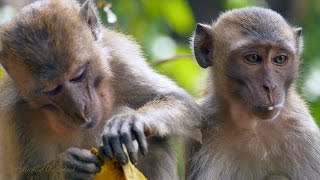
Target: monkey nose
(86, 120)
(80, 117)
(83, 114)
(269, 88)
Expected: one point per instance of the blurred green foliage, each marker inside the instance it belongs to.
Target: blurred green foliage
(183, 70)
(147, 20)
(231, 4)
(311, 56)
(315, 110)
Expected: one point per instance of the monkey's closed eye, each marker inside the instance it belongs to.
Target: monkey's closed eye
(80, 76)
(253, 59)
(280, 60)
(53, 91)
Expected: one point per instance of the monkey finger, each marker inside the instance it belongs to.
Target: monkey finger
(126, 138)
(137, 129)
(102, 153)
(87, 157)
(79, 166)
(117, 149)
(107, 149)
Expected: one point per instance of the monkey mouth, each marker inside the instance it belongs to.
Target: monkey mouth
(267, 112)
(268, 107)
(90, 123)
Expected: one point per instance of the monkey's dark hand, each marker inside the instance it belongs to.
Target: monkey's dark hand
(124, 129)
(81, 164)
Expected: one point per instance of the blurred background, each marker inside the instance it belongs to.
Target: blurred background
(163, 29)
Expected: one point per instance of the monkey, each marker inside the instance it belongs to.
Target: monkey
(255, 125)
(71, 84)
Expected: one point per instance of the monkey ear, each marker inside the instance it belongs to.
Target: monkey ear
(299, 39)
(202, 45)
(89, 14)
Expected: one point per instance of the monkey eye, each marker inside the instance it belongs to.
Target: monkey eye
(53, 91)
(253, 59)
(80, 76)
(280, 60)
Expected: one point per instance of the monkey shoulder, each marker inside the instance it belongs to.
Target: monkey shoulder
(208, 108)
(121, 47)
(130, 71)
(297, 116)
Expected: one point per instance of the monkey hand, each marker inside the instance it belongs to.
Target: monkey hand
(81, 163)
(124, 129)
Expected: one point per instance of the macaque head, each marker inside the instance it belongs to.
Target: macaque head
(253, 53)
(51, 52)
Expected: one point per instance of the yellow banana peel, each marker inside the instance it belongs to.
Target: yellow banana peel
(111, 170)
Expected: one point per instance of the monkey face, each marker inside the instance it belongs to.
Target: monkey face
(254, 60)
(70, 91)
(76, 97)
(51, 56)
(73, 97)
(254, 63)
(260, 74)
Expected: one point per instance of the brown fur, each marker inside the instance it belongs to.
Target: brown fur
(45, 44)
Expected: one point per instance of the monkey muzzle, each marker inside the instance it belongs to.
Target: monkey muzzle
(270, 108)
(269, 112)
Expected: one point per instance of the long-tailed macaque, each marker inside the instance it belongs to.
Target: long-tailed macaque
(255, 125)
(71, 84)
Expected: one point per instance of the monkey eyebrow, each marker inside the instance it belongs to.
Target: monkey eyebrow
(283, 46)
(245, 44)
(80, 70)
(240, 45)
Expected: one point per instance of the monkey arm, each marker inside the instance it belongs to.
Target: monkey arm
(167, 109)
(152, 105)
(155, 111)
(171, 114)
(163, 116)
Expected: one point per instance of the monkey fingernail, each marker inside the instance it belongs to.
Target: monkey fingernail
(123, 162)
(133, 157)
(144, 152)
(270, 108)
(133, 161)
